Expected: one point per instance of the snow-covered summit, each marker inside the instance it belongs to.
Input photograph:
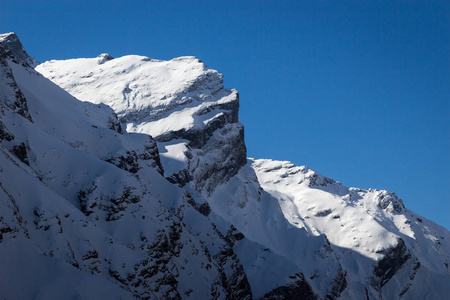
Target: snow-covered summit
(181, 103)
(151, 96)
(368, 222)
(86, 214)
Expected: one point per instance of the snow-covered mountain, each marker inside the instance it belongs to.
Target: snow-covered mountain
(127, 177)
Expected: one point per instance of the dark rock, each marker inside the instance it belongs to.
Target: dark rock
(323, 213)
(232, 275)
(199, 137)
(235, 284)
(131, 161)
(10, 42)
(238, 236)
(298, 290)
(20, 151)
(390, 202)
(5, 134)
(118, 205)
(114, 124)
(388, 266)
(86, 204)
(90, 254)
(210, 173)
(102, 58)
(338, 286)
(317, 180)
(18, 103)
(203, 208)
(411, 278)
(181, 178)
(4, 230)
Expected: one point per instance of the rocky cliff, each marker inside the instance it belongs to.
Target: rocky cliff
(181, 103)
(144, 191)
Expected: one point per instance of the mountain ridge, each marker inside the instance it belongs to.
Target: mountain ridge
(182, 213)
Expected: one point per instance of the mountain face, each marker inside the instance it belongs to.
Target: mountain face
(181, 103)
(125, 178)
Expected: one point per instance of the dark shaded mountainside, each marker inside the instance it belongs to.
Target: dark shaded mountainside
(143, 190)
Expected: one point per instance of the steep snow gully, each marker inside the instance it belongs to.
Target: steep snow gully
(128, 178)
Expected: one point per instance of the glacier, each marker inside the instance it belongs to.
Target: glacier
(128, 177)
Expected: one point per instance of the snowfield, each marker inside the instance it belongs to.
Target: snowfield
(128, 178)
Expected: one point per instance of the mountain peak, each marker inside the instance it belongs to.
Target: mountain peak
(10, 42)
(119, 214)
(8, 35)
(102, 58)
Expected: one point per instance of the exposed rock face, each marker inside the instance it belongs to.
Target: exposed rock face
(390, 202)
(89, 210)
(220, 159)
(11, 95)
(299, 290)
(388, 266)
(132, 160)
(177, 102)
(4, 134)
(11, 44)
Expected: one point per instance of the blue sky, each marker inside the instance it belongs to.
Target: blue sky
(357, 90)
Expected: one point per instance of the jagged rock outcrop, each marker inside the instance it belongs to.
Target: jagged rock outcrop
(390, 202)
(392, 261)
(12, 47)
(11, 95)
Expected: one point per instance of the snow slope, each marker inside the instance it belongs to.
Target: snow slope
(362, 227)
(85, 204)
(144, 191)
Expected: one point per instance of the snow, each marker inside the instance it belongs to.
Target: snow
(92, 217)
(117, 234)
(4, 36)
(168, 100)
(355, 221)
(173, 156)
(151, 96)
(32, 275)
(258, 216)
(344, 215)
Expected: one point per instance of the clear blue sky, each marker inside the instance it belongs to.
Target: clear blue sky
(357, 90)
